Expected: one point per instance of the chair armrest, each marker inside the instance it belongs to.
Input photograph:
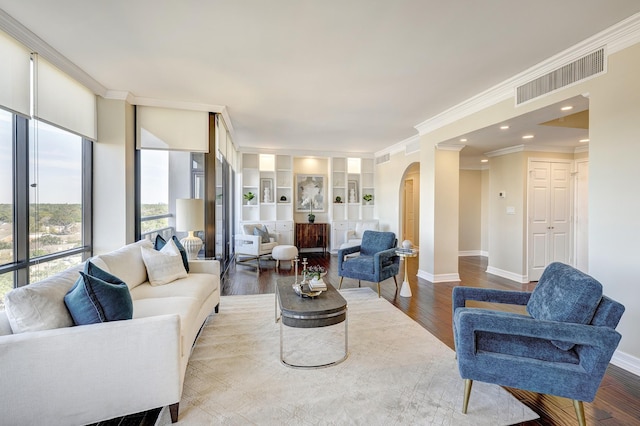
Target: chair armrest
(344, 252)
(205, 266)
(274, 236)
(247, 244)
(461, 294)
(468, 321)
(388, 255)
(349, 234)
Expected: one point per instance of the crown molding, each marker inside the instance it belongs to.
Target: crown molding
(505, 151)
(581, 148)
(19, 32)
(615, 38)
(399, 147)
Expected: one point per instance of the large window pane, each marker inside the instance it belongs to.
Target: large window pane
(40, 271)
(154, 194)
(55, 193)
(6, 188)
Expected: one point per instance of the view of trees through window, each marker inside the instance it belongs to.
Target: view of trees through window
(55, 199)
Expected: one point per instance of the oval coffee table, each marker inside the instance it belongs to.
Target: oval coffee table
(328, 308)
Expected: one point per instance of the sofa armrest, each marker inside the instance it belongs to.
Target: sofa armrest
(205, 266)
(84, 374)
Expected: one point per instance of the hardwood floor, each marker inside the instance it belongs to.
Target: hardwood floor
(617, 401)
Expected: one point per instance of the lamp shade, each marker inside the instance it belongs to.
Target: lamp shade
(189, 214)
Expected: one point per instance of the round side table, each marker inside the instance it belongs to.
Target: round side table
(405, 290)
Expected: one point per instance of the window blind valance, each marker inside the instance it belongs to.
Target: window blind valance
(172, 129)
(15, 86)
(62, 101)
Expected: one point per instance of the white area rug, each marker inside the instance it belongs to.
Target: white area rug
(397, 373)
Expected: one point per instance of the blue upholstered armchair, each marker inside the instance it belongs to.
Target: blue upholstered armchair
(377, 260)
(563, 346)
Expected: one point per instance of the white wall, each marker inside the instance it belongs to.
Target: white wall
(614, 173)
(113, 176)
(470, 237)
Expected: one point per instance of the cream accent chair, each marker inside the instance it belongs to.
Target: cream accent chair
(353, 237)
(250, 246)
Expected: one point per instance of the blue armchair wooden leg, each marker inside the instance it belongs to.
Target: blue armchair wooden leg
(396, 280)
(358, 283)
(579, 407)
(340, 285)
(467, 392)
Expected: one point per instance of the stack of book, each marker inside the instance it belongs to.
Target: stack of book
(318, 285)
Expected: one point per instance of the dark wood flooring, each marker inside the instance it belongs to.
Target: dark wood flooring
(617, 401)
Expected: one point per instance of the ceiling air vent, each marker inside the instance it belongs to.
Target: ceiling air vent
(382, 159)
(580, 69)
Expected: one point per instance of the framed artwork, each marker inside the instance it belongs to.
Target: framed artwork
(266, 190)
(310, 193)
(352, 188)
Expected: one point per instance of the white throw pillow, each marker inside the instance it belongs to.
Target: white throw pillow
(163, 266)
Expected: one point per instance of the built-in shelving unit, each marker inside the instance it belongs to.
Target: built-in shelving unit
(270, 177)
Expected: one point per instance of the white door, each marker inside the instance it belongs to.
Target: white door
(549, 215)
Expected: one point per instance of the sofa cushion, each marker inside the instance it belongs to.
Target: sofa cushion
(94, 300)
(40, 306)
(198, 286)
(160, 243)
(163, 266)
(126, 263)
(564, 294)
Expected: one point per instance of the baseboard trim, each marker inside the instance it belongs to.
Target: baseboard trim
(473, 253)
(626, 362)
(523, 279)
(439, 278)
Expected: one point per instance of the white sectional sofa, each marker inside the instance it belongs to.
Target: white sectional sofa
(55, 373)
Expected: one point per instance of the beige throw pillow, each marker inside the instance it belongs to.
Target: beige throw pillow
(163, 266)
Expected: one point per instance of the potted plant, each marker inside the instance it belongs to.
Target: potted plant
(368, 198)
(315, 272)
(249, 196)
(338, 200)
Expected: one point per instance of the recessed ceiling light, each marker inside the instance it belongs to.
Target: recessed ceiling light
(484, 160)
(583, 140)
(566, 108)
(504, 127)
(527, 137)
(463, 140)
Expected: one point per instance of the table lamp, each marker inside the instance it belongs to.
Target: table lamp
(190, 218)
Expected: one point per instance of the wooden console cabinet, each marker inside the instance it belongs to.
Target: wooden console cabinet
(312, 235)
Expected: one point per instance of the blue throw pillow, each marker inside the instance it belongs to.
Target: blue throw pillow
(263, 233)
(93, 300)
(160, 242)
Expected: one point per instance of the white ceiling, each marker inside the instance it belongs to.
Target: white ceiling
(350, 75)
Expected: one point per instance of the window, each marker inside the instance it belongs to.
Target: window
(45, 177)
(6, 201)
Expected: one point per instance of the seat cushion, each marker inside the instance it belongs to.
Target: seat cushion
(565, 294)
(198, 286)
(360, 264)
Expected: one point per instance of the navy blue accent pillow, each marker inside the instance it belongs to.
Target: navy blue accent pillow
(93, 300)
(160, 242)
